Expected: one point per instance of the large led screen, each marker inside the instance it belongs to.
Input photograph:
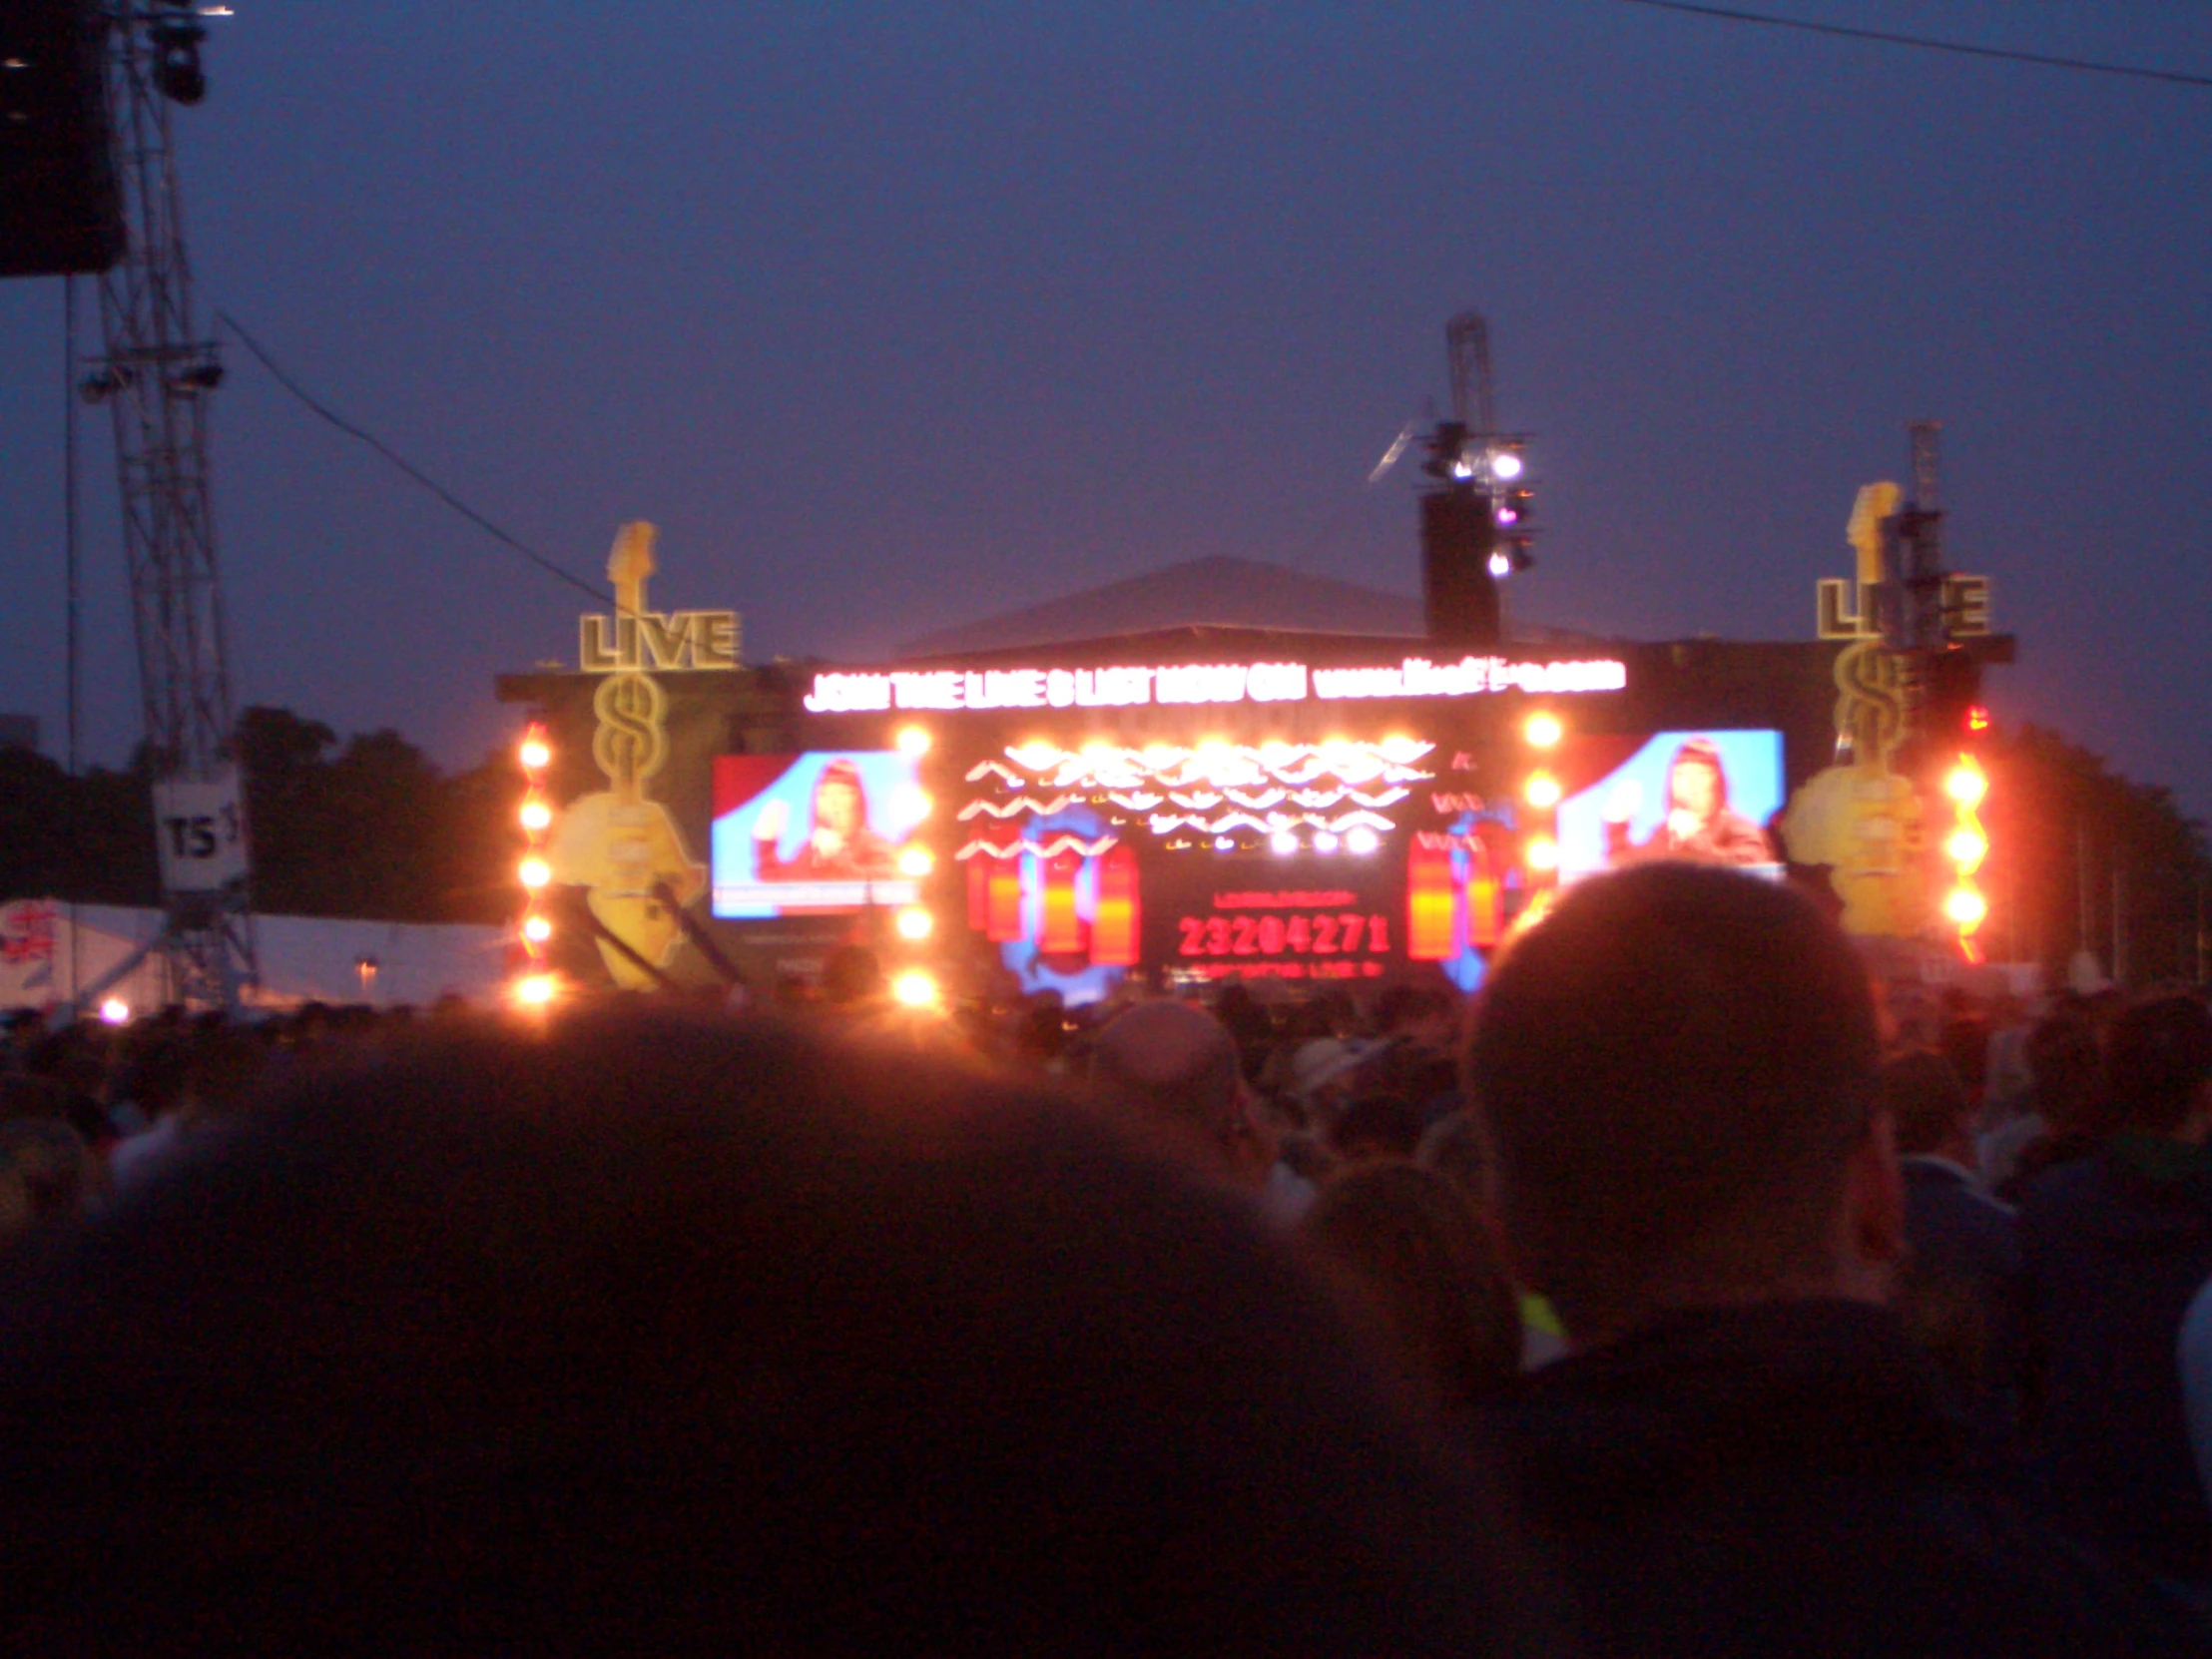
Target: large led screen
(1701, 797)
(815, 833)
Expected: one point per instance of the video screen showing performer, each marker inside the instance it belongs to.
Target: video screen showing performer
(816, 831)
(839, 847)
(1699, 796)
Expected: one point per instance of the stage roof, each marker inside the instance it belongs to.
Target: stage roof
(1216, 592)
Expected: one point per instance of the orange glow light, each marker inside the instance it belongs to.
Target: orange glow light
(1966, 907)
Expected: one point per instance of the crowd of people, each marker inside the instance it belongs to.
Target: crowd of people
(1684, 1293)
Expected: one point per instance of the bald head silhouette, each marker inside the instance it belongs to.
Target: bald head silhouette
(1176, 1066)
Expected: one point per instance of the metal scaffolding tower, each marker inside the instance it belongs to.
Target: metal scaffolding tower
(157, 379)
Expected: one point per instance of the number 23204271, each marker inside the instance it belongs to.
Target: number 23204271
(1325, 933)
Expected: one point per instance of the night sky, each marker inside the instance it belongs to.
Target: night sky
(895, 316)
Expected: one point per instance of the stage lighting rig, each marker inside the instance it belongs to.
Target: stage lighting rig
(1475, 532)
(175, 34)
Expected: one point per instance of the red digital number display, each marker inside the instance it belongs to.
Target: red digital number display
(1302, 933)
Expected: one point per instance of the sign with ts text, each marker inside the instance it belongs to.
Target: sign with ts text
(200, 827)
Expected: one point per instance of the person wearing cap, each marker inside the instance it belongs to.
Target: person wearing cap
(1741, 1453)
(1699, 826)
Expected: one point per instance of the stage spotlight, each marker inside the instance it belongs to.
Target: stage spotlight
(914, 989)
(535, 991)
(916, 861)
(115, 1011)
(536, 929)
(1543, 853)
(1967, 849)
(1325, 842)
(177, 70)
(1542, 790)
(1967, 784)
(1361, 839)
(1283, 841)
(914, 741)
(536, 814)
(534, 754)
(534, 873)
(1225, 844)
(1505, 467)
(1501, 565)
(915, 923)
(1965, 906)
(1543, 729)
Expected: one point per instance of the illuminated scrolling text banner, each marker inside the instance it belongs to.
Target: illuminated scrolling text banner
(1191, 682)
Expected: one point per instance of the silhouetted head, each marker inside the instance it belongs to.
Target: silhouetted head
(1410, 1246)
(2158, 1060)
(1673, 1069)
(655, 1335)
(1176, 1064)
(1926, 1100)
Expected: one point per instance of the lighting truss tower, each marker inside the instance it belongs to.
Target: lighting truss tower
(157, 379)
(1473, 520)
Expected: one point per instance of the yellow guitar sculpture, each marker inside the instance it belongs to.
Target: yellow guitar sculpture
(618, 843)
(1862, 819)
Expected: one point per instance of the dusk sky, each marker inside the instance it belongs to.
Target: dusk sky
(892, 317)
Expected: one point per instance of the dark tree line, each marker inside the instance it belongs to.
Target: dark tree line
(366, 829)
(2084, 858)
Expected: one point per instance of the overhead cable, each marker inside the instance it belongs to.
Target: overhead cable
(404, 465)
(2047, 60)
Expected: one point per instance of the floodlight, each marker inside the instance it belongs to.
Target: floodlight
(914, 989)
